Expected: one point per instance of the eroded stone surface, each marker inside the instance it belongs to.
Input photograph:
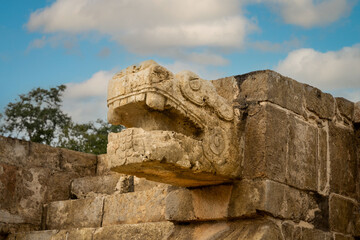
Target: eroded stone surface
(177, 111)
(74, 213)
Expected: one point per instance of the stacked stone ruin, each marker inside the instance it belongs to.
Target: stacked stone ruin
(254, 156)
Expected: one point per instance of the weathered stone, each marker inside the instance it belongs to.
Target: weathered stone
(75, 213)
(74, 234)
(98, 185)
(243, 199)
(345, 107)
(176, 114)
(141, 184)
(149, 231)
(265, 154)
(343, 213)
(323, 164)
(58, 185)
(82, 163)
(302, 154)
(40, 235)
(249, 230)
(103, 165)
(339, 236)
(178, 159)
(356, 118)
(303, 231)
(135, 207)
(27, 154)
(322, 104)
(342, 160)
(272, 87)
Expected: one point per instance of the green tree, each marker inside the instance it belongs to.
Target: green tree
(37, 117)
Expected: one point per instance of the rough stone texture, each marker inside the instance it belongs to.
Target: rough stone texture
(32, 174)
(75, 213)
(41, 235)
(322, 104)
(346, 107)
(269, 86)
(339, 236)
(98, 185)
(103, 165)
(150, 231)
(343, 214)
(136, 207)
(356, 118)
(282, 147)
(142, 184)
(176, 113)
(303, 231)
(343, 160)
(244, 199)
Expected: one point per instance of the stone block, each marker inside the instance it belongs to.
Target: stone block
(98, 185)
(339, 236)
(142, 184)
(244, 199)
(356, 118)
(38, 235)
(272, 87)
(135, 207)
(343, 161)
(149, 231)
(343, 212)
(103, 165)
(27, 154)
(265, 151)
(249, 230)
(302, 154)
(82, 163)
(323, 164)
(74, 234)
(74, 213)
(345, 107)
(58, 186)
(322, 104)
(303, 231)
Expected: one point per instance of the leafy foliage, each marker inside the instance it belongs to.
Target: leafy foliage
(37, 117)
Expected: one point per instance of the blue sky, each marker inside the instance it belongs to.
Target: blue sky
(82, 43)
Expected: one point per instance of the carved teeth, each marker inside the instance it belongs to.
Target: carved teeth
(155, 101)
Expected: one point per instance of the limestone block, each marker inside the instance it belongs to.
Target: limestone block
(281, 146)
(82, 163)
(149, 231)
(103, 165)
(40, 235)
(98, 185)
(74, 213)
(243, 199)
(58, 185)
(356, 118)
(339, 236)
(249, 230)
(76, 234)
(342, 214)
(27, 154)
(135, 207)
(322, 104)
(141, 184)
(345, 107)
(303, 231)
(342, 160)
(323, 165)
(272, 87)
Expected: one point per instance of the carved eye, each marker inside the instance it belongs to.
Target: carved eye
(195, 84)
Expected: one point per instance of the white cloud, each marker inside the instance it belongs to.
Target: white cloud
(147, 27)
(86, 101)
(334, 71)
(309, 13)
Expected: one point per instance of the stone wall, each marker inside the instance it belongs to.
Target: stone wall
(32, 174)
